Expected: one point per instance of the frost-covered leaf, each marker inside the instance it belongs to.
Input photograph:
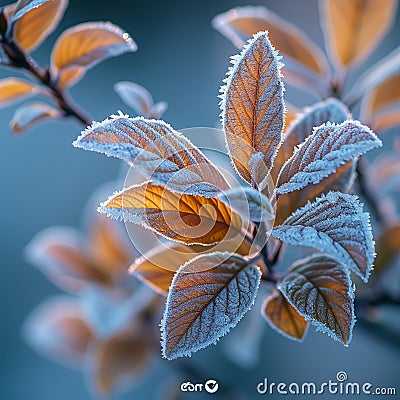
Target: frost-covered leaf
(30, 114)
(15, 89)
(157, 267)
(323, 152)
(209, 295)
(320, 290)
(108, 248)
(33, 21)
(157, 151)
(281, 316)
(184, 218)
(379, 89)
(253, 110)
(387, 246)
(353, 28)
(60, 253)
(85, 45)
(330, 110)
(300, 128)
(57, 329)
(305, 64)
(335, 224)
(249, 203)
(342, 181)
(139, 99)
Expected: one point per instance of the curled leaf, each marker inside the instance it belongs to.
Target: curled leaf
(157, 151)
(253, 110)
(323, 152)
(183, 218)
(209, 295)
(139, 99)
(353, 28)
(33, 21)
(336, 224)
(85, 45)
(31, 114)
(305, 64)
(281, 315)
(320, 290)
(15, 89)
(58, 330)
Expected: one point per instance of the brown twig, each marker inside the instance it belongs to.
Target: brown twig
(17, 58)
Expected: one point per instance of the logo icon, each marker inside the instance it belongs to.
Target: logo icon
(211, 386)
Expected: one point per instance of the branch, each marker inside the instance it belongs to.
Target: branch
(18, 59)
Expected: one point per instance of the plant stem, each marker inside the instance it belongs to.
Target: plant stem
(18, 59)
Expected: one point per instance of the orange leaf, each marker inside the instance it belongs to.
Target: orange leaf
(353, 28)
(183, 218)
(305, 64)
(157, 267)
(61, 255)
(108, 249)
(387, 246)
(30, 114)
(253, 110)
(120, 359)
(320, 290)
(33, 26)
(283, 317)
(57, 329)
(85, 45)
(15, 89)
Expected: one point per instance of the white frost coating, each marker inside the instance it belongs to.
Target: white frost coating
(336, 224)
(217, 299)
(329, 147)
(252, 107)
(157, 151)
(28, 7)
(309, 288)
(331, 110)
(249, 203)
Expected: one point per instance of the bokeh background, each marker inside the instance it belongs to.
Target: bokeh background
(44, 181)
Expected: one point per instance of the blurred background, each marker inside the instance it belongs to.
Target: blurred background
(45, 181)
